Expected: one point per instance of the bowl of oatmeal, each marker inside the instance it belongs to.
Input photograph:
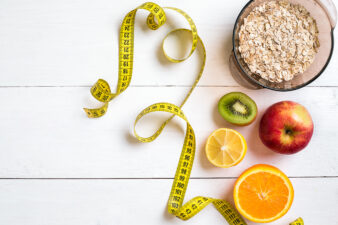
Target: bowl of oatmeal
(282, 45)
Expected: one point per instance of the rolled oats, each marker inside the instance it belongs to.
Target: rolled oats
(278, 40)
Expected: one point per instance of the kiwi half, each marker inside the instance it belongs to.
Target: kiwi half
(237, 108)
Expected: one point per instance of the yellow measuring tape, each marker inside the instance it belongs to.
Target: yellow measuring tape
(102, 92)
(193, 206)
(298, 221)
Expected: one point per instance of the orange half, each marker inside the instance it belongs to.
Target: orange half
(263, 193)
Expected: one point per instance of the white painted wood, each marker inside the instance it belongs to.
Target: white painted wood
(105, 202)
(46, 42)
(45, 133)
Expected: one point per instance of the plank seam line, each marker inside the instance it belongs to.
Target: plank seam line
(164, 85)
(149, 178)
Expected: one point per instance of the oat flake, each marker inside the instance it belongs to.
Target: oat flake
(278, 40)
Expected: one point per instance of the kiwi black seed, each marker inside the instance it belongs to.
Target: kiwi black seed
(237, 108)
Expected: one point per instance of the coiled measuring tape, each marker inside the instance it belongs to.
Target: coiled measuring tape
(180, 183)
(101, 89)
(102, 92)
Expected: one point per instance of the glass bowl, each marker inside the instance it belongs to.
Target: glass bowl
(325, 14)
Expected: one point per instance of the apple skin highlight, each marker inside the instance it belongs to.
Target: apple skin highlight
(286, 127)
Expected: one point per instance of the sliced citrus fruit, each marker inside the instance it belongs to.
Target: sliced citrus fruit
(263, 193)
(225, 147)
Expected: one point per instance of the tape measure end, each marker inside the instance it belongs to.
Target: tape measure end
(87, 111)
(298, 221)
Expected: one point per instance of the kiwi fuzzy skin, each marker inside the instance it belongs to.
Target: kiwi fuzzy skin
(238, 124)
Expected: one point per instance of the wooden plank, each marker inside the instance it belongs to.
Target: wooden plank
(75, 42)
(88, 202)
(45, 133)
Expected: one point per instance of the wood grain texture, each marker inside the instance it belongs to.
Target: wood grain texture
(62, 47)
(45, 133)
(45, 42)
(106, 202)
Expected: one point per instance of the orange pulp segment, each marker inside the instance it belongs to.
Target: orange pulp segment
(263, 193)
(225, 147)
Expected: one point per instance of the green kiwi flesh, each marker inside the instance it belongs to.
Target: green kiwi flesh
(237, 108)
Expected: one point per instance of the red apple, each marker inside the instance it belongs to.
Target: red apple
(286, 127)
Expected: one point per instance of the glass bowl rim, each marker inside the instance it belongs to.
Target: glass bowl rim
(264, 86)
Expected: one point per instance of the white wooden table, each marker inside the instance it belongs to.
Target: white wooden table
(58, 167)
